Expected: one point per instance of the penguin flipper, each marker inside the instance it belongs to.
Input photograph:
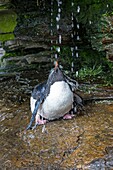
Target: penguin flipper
(37, 104)
(38, 94)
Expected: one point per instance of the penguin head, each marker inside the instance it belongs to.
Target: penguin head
(55, 74)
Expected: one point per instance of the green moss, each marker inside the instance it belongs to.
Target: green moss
(5, 37)
(7, 23)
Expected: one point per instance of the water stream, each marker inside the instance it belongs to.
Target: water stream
(57, 23)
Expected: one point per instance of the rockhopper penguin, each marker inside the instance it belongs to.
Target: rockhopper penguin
(54, 98)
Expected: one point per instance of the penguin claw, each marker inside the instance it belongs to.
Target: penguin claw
(68, 116)
(41, 122)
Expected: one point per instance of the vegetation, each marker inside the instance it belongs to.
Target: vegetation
(91, 65)
(7, 24)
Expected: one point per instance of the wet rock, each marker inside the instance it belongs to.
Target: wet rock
(102, 163)
(25, 43)
(42, 57)
(96, 165)
(60, 144)
(30, 52)
(33, 37)
(109, 157)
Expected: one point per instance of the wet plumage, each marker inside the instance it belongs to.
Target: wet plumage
(54, 98)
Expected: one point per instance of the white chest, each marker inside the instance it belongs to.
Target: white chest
(58, 102)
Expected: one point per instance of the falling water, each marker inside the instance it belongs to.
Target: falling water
(78, 38)
(78, 9)
(74, 36)
(57, 19)
(51, 24)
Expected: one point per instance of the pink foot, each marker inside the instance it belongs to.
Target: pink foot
(41, 122)
(68, 116)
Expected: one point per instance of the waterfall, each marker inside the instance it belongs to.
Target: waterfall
(55, 22)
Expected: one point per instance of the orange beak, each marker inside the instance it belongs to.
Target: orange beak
(56, 64)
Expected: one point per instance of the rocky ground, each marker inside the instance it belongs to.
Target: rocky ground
(85, 142)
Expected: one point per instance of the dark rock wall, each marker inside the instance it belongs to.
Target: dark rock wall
(32, 42)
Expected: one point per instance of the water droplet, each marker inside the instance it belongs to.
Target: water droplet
(72, 24)
(78, 9)
(72, 4)
(59, 10)
(90, 22)
(56, 56)
(78, 38)
(76, 54)
(72, 17)
(76, 73)
(76, 48)
(58, 27)
(72, 66)
(57, 18)
(58, 49)
(72, 35)
(60, 39)
(78, 26)
(51, 32)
